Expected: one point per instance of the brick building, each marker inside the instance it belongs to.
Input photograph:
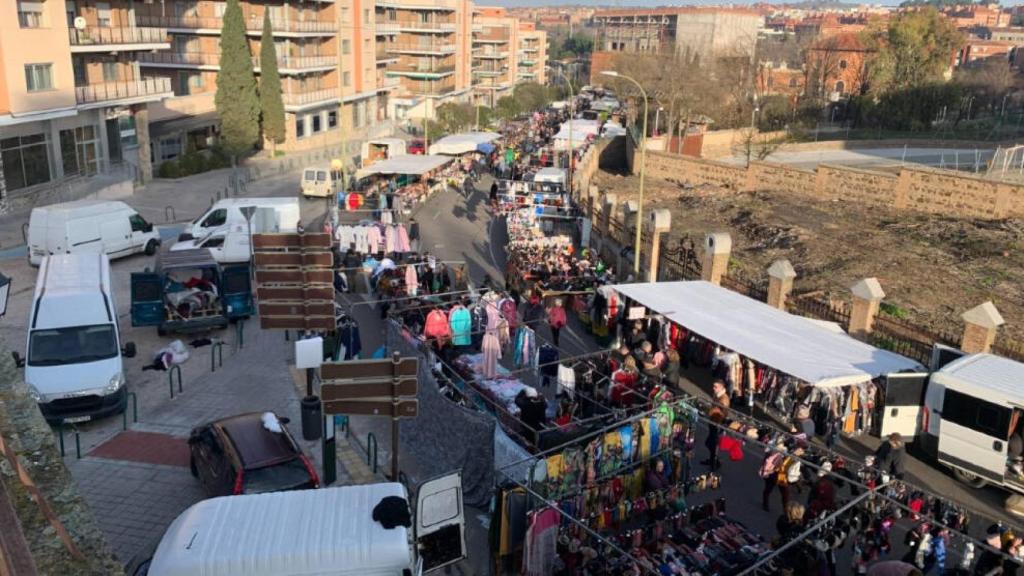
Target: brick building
(695, 33)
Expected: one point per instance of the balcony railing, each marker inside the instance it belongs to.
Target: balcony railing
(388, 82)
(491, 55)
(180, 58)
(301, 62)
(411, 69)
(111, 91)
(406, 47)
(428, 26)
(251, 24)
(106, 37)
(387, 28)
(311, 97)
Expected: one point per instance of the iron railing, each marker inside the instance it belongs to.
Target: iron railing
(98, 36)
(251, 24)
(311, 97)
(109, 91)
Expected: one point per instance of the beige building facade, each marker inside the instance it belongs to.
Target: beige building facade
(73, 99)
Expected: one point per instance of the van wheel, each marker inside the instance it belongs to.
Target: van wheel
(969, 478)
(151, 247)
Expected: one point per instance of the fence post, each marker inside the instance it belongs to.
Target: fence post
(661, 223)
(981, 324)
(215, 348)
(780, 283)
(170, 378)
(135, 411)
(717, 248)
(867, 296)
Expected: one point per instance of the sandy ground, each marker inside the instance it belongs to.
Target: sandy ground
(932, 268)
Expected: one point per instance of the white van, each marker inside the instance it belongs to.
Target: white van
(73, 362)
(963, 416)
(229, 244)
(89, 226)
(318, 182)
(285, 214)
(330, 531)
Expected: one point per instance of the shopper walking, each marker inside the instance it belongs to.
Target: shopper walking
(717, 415)
(769, 472)
(556, 320)
(891, 455)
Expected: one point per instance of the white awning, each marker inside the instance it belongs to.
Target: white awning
(414, 164)
(791, 344)
(462, 143)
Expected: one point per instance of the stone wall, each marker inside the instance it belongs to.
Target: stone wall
(929, 190)
(34, 442)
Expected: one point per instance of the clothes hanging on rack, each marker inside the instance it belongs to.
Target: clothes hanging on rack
(525, 347)
(348, 337)
(539, 552)
(461, 323)
(412, 283)
(437, 328)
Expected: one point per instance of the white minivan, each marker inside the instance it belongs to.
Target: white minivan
(283, 212)
(73, 362)
(327, 532)
(89, 226)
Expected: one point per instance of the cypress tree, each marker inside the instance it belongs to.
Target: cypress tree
(271, 104)
(236, 99)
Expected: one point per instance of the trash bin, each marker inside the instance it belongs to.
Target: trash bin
(312, 418)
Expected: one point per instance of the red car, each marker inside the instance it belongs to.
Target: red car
(416, 147)
(249, 454)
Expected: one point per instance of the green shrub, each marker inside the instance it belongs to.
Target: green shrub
(169, 169)
(192, 163)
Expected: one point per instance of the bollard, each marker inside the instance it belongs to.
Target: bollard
(371, 439)
(24, 232)
(135, 412)
(170, 214)
(285, 335)
(170, 379)
(78, 443)
(215, 349)
(240, 334)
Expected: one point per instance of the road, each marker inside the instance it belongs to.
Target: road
(136, 496)
(879, 158)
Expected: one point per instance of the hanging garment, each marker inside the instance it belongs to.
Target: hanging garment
(540, 549)
(437, 326)
(411, 281)
(566, 380)
(508, 310)
(373, 239)
(348, 336)
(402, 240)
(491, 349)
(461, 323)
(389, 239)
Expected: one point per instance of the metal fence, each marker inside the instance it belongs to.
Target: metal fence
(679, 260)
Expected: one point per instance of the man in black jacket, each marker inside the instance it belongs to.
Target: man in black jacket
(891, 455)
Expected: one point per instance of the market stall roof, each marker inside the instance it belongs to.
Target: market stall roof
(462, 143)
(791, 344)
(415, 164)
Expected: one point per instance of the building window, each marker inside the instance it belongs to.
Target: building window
(78, 150)
(843, 64)
(31, 14)
(103, 15)
(792, 82)
(195, 82)
(71, 10)
(26, 161)
(315, 123)
(170, 147)
(39, 77)
(332, 119)
(300, 126)
(366, 15)
(126, 127)
(346, 47)
(110, 72)
(78, 67)
(841, 87)
(347, 78)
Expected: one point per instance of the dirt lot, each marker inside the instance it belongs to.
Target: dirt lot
(931, 268)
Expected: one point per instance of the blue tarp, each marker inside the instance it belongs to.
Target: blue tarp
(485, 147)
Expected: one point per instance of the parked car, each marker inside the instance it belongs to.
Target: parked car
(249, 454)
(417, 146)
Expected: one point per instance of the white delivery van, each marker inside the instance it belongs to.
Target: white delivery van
(89, 226)
(284, 212)
(73, 362)
(327, 532)
(962, 415)
(227, 245)
(319, 182)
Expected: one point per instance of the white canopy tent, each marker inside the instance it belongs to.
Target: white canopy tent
(462, 143)
(581, 130)
(791, 344)
(413, 164)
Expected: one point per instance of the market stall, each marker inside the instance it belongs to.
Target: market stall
(790, 364)
(457, 144)
(412, 176)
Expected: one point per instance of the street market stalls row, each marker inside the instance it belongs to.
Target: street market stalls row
(415, 177)
(465, 143)
(792, 365)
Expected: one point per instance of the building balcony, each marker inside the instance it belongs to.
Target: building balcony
(388, 83)
(123, 93)
(387, 28)
(387, 3)
(436, 49)
(527, 63)
(488, 73)
(526, 74)
(210, 61)
(530, 50)
(427, 27)
(96, 39)
(253, 26)
(478, 40)
(491, 55)
(297, 64)
(418, 72)
(307, 99)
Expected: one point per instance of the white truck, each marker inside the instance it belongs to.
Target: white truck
(73, 362)
(964, 415)
(327, 532)
(89, 227)
(224, 230)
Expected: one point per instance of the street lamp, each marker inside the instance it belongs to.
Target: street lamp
(643, 162)
(657, 119)
(572, 104)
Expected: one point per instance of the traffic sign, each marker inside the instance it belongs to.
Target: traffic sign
(376, 369)
(385, 407)
(365, 390)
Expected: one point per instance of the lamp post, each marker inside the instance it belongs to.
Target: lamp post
(657, 120)
(572, 112)
(643, 162)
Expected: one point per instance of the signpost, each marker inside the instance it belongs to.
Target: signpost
(372, 388)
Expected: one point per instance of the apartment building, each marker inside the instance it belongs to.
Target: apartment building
(495, 54)
(532, 54)
(424, 60)
(73, 99)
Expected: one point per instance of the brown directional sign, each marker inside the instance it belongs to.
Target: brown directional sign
(297, 308)
(376, 369)
(294, 259)
(277, 241)
(401, 409)
(291, 293)
(297, 322)
(366, 390)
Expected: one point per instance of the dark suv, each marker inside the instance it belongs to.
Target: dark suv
(249, 454)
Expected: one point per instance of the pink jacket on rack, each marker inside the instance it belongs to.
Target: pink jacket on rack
(411, 281)
(403, 244)
(436, 325)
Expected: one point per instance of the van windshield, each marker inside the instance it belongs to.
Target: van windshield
(71, 345)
